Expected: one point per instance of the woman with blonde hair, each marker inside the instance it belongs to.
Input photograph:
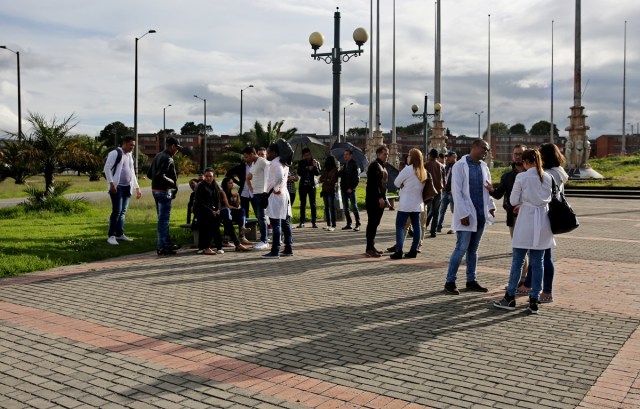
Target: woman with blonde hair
(532, 234)
(410, 180)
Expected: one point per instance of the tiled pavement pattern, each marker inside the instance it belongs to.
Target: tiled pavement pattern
(330, 328)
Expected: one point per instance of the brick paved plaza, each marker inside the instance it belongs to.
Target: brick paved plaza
(330, 328)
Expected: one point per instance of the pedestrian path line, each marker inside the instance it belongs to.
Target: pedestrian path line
(291, 387)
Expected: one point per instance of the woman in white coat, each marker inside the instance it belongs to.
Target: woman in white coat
(279, 209)
(411, 183)
(530, 197)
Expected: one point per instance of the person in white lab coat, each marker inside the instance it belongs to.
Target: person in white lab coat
(530, 197)
(279, 209)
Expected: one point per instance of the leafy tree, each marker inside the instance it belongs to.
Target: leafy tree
(184, 164)
(115, 129)
(15, 161)
(52, 145)
(542, 128)
(498, 128)
(413, 129)
(168, 131)
(190, 128)
(518, 129)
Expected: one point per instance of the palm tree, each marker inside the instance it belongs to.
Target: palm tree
(14, 161)
(257, 137)
(53, 145)
(92, 161)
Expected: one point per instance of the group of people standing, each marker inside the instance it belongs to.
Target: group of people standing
(464, 185)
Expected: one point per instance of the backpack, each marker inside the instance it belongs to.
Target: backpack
(118, 159)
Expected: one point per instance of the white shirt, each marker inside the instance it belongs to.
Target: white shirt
(259, 174)
(127, 160)
(279, 204)
(411, 190)
(532, 230)
(245, 189)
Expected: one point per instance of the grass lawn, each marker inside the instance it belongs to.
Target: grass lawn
(39, 241)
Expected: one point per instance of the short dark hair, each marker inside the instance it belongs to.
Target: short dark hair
(262, 148)
(128, 138)
(441, 155)
(433, 153)
(349, 150)
(248, 150)
(381, 148)
(274, 148)
(452, 153)
(305, 150)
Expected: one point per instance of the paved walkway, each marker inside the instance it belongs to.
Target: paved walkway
(330, 328)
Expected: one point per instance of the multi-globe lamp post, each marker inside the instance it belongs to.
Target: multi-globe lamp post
(336, 57)
(437, 107)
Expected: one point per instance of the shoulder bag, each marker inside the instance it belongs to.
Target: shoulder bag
(561, 216)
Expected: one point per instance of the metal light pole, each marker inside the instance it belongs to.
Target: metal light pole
(425, 117)
(631, 125)
(135, 100)
(623, 147)
(479, 114)
(328, 112)
(204, 140)
(489, 161)
(241, 93)
(335, 57)
(344, 122)
(551, 130)
(17, 53)
(164, 126)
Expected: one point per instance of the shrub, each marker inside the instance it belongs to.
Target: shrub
(52, 200)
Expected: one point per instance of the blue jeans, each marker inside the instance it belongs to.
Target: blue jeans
(285, 226)
(346, 198)
(467, 242)
(262, 219)
(433, 210)
(330, 208)
(401, 220)
(536, 271)
(547, 276)
(447, 198)
(163, 207)
(119, 204)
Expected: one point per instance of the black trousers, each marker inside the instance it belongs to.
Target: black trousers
(209, 228)
(309, 191)
(374, 214)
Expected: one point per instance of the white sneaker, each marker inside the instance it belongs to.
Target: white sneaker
(331, 228)
(220, 251)
(123, 238)
(261, 246)
(112, 240)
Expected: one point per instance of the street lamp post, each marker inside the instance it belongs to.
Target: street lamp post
(328, 112)
(631, 125)
(335, 57)
(164, 126)
(241, 92)
(479, 114)
(17, 53)
(425, 117)
(344, 122)
(135, 99)
(204, 140)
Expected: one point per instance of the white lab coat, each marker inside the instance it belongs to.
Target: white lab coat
(115, 178)
(462, 199)
(532, 230)
(279, 204)
(411, 191)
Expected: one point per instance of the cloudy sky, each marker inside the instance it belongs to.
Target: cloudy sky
(77, 56)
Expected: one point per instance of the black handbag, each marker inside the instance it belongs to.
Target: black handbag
(561, 216)
(264, 199)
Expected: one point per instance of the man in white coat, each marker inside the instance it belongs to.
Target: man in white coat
(279, 209)
(121, 181)
(474, 207)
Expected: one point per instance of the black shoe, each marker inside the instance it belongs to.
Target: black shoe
(508, 303)
(392, 249)
(450, 288)
(301, 225)
(378, 251)
(411, 254)
(396, 256)
(439, 229)
(357, 228)
(286, 253)
(347, 227)
(372, 253)
(433, 234)
(166, 252)
(533, 305)
(474, 286)
(175, 247)
(314, 226)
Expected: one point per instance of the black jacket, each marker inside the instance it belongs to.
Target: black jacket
(163, 173)
(207, 199)
(307, 177)
(504, 189)
(238, 174)
(349, 176)
(377, 178)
